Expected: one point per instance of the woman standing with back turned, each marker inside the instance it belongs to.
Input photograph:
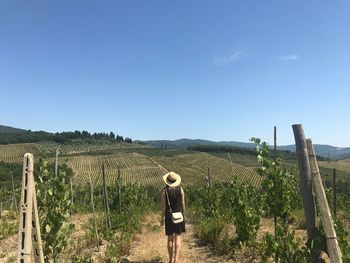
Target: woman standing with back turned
(173, 202)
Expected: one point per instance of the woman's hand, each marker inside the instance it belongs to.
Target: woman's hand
(161, 221)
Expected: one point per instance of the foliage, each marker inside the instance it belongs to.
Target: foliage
(5, 174)
(279, 187)
(280, 196)
(217, 207)
(53, 197)
(135, 203)
(62, 137)
(343, 234)
(284, 247)
(8, 225)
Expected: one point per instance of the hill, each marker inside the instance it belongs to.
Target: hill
(8, 129)
(322, 150)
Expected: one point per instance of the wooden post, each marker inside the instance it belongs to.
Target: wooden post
(14, 192)
(274, 142)
(56, 160)
(209, 176)
(229, 157)
(29, 229)
(93, 209)
(332, 242)
(71, 191)
(334, 192)
(305, 180)
(105, 197)
(274, 158)
(119, 190)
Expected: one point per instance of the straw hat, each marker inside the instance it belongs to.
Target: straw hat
(172, 179)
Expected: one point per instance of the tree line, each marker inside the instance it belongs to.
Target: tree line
(60, 137)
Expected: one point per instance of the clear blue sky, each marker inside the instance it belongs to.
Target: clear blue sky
(218, 70)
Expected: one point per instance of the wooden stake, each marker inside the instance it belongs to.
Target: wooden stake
(229, 157)
(305, 180)
(334, 192)
(71, 191)
(328, 225)
(29, 229)
(105, 197)
(274, 158)
(209, 177)
(119, 190)
(14, 192)
(93, 209)
(56, 162)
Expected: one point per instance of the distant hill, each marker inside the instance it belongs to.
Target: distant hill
(325, 150)
(184, 143)
(322, 150)
(8, 129)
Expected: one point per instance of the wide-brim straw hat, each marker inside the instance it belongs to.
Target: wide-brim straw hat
(172, 179)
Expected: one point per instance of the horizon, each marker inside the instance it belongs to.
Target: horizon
(184, 138)
(224, 71)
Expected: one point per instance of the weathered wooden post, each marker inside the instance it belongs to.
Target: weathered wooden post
(232, 170)
(334, 192)
(119, 190)
(56, 160)
(305, 180)
(275, 158)
(105, 197)
(93, 209)
(326, 217)
(71, 191)
(29, 227)
(14, 192)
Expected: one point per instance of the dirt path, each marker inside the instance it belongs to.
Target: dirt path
(150, 247)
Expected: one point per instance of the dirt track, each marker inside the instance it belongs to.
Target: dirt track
(150, 247)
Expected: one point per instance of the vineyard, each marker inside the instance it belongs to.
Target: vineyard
(13, 153)
(194, 168)
(133, 179)
(132, 166)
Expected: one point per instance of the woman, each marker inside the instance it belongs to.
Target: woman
(174, 195)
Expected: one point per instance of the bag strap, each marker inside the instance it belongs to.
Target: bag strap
(166, 192)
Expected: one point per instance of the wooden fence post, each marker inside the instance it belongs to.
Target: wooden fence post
(93, 209)
(334, 192)
(332, 242)
(71, 191)
(56, 160)
(29, 236)
(274, 158)
(231, 164)
(105, 197)
(305, 180)
(14, 193)
(209, 177)
(119, 190)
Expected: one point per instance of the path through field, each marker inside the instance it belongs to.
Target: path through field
(150, 247)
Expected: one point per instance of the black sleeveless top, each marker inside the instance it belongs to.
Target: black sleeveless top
(175, 199)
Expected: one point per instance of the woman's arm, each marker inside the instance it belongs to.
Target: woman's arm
(163, 206)
(183, 199)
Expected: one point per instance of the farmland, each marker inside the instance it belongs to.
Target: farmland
(136, 163)
(145, 165)
(139, 165)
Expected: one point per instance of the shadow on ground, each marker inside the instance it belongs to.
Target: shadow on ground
(154, 260)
